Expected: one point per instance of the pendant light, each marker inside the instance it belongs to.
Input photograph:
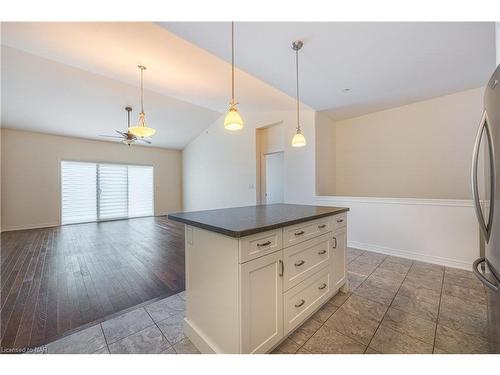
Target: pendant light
(141, 130)
(298, 139)
(233, 119)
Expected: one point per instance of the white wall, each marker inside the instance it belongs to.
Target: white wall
(431, 230)
(220, 166)
(30, 162)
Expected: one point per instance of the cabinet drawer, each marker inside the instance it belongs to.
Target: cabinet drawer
(302, 300)
(339, 221)
(306, 258)
(295, 234)
(260, 244)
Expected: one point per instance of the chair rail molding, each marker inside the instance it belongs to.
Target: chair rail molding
(440, 231)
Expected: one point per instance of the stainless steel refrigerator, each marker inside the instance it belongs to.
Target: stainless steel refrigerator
(487, 207)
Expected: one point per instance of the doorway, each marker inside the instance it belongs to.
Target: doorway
(274, 178)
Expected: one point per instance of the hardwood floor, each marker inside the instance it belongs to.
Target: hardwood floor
(54, 280)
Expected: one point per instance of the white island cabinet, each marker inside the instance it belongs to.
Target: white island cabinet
(245, 293)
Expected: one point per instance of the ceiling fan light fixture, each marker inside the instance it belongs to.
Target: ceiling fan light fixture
(141, 130)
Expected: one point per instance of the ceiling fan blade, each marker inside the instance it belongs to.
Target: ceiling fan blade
(144, 140)
(121, 133)
(110, 136)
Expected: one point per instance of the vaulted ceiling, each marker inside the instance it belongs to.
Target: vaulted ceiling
(76, 78)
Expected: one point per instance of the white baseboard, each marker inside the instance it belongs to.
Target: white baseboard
(26, 227)
(447, 262)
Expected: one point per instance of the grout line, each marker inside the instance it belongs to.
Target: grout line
(165, 337)
(439, 311)
(105, 339)
(389, 306)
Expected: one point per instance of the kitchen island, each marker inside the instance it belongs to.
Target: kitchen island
(254, 274)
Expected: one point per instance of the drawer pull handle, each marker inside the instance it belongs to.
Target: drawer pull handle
(340, 220)
(321, 252)
(322, 286)
(282, 268)
(267, 243)
(321, 226)
(299, 233)
(334, 242)
(299, 263)
(300, 303)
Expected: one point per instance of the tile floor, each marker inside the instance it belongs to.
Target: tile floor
(393, 305)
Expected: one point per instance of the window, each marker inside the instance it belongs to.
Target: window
(94, 191)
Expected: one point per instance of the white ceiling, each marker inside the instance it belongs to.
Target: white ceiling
(49, 97)
(384, 64)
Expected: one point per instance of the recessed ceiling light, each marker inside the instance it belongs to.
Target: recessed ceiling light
(346, 90)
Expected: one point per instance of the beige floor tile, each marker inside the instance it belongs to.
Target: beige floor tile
(388, 275)
(286, 347)
(357, 305)
(405, 261)
(339, 298)
(410, 325)
(103, 350)
(394, 266)
(353, 254)
(468, 294)
(361, 268)
(147, 341)
(125, 325)
(430, 281)
(459, 272)
(173, 328)
(371, 258)
(373, 293)
(328, 341)
(388, 341)
(463, 316)
(417, 301)
(356, 326)
(185, 346)
(305, 331)
(354, 280)
(439, 351)
(325, 312)
(303, 351)
(87, 341)
(453, 341)
(371, 351)
(166, 307)
(426, 267)
(463, 281)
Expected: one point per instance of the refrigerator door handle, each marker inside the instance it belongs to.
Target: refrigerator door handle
(485, 227)
(482, 278)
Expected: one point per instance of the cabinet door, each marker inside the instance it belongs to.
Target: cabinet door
(339, 258)
(261, 303)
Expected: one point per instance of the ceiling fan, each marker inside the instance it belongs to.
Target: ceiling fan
(127, 137)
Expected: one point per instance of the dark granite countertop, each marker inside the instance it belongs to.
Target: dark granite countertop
(243, 221)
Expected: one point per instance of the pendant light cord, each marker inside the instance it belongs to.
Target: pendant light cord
(142, 89)
(232, 62)
(297, 71)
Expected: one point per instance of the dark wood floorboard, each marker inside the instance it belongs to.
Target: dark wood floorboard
(54, 280)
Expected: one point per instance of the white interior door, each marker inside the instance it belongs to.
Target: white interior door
(274, 178)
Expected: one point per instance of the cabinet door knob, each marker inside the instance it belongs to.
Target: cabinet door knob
(321, 252)
(299, 233)
(300, 303)
(322, 286)
(267, 243)
(299, 263)
(340, 220)
(334, 242)
(321, 226)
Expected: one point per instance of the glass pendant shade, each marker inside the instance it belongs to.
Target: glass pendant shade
(233, 119)
(298, 139)
(142, 130)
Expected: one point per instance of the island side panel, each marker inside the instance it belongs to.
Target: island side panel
(212, 316)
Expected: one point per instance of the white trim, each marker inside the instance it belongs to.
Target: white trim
(26, 227)
(411, 255)
(405, 201)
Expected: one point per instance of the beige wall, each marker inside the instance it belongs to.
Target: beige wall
(30, 174)
(325, 155)
(420, 150)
